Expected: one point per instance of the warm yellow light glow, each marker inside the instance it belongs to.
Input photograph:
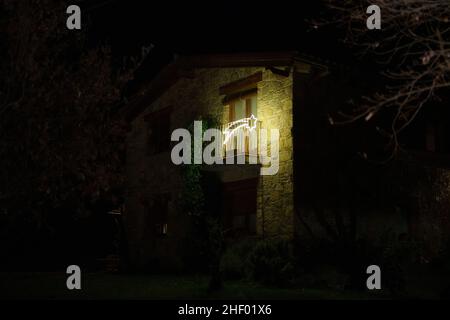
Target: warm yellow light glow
(245, 123)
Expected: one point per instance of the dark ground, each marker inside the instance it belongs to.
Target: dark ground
(421, 283)
(109, 286)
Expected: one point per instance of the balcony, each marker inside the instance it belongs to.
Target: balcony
(239, 149)
(240, 141)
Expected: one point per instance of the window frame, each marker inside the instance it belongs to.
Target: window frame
(232, 191)
(248, 106)
(247, 96)
(159, 214)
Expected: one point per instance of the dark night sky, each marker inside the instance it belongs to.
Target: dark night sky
(186, 27)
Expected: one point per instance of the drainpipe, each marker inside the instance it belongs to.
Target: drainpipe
(262, 196)
(262, 206)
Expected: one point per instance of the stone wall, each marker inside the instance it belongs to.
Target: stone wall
(275, 193)
(149, 176)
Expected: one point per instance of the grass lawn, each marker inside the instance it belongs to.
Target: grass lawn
(111, 286)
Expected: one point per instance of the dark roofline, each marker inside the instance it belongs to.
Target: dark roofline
(181, 66)
(259, 59)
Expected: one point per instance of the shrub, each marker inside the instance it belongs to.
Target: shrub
(271, 262)
(266, 261)
(234, 263)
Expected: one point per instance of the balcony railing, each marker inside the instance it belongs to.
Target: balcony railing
(240, 138)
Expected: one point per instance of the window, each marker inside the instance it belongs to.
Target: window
(243, 107)
(161, 229)
(158, 131)
(240, 96)
(240, 116)
(158, 214)
(240, 206)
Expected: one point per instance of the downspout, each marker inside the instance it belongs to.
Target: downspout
(262, 197)
(262, 206)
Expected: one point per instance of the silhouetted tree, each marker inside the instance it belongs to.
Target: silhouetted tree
(61, 145)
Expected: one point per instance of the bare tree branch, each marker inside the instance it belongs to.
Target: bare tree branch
(414, 45)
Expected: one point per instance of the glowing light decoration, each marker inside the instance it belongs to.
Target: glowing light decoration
(245, 123)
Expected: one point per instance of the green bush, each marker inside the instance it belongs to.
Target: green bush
(234, 263)
(271, 262)
(266, 261)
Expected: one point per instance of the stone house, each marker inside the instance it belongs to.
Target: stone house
(230, 87)
(285, 91)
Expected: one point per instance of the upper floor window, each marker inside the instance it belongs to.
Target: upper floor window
(240, 119)
(240, 124)
(240, 97)
(158, 134)
(243, 107)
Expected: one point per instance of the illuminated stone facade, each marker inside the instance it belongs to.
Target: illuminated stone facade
(150, 176)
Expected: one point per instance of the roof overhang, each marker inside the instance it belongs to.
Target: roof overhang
(181, 66)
